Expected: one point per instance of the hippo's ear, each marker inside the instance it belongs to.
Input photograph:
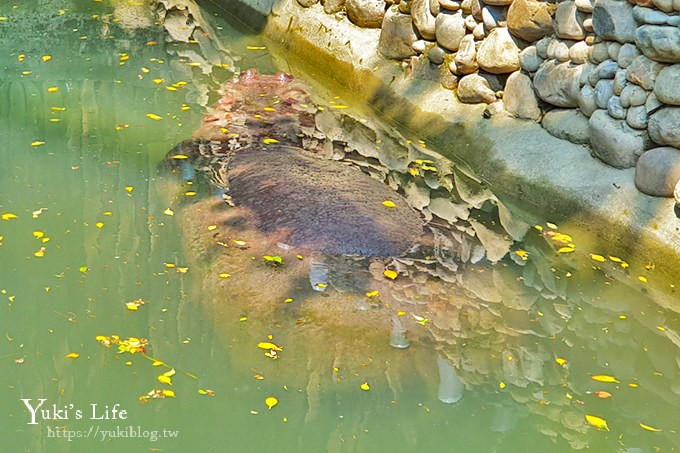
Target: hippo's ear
(283, 78)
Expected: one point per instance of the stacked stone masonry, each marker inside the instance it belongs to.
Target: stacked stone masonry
(603, 73)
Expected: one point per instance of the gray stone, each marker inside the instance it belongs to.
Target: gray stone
(466, 58)
(674, 21)
(584, 6)
(423, 19)
(542, 47)
(658, 171)
(652, 104)
(529, 60)
(588, 67)
(620, 82)
(663, 126)
(643, 71)
(530, 20)
(615, 109)
(633, 95)
(473, 89)
(558, 84)
(450, 30)
(451, 5)
(659, 42)
(614, 142)
(567, 124)
(637, 117)
(627, 53)
(613, 49)
(365, 13)
(498, 53)
(436, 55)
(603, 92)
(567, 22)
(397, 36)
(519, 97)
(667, 86)
(649, 16)
(664, 5)
(613, 20)
(605, 70)
(498, 2)
(578, 53)
(599, 52)
(586, 100)
(560, 51)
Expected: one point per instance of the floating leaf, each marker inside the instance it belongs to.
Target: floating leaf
(38, 234)
(390, 274)
(598, 258)
(501, 385)
(40, 253)
(642, 279)
(163, 379)
(604, 378)
(83, 269)
(389, 204)
(522, 254)
(365, 386)
(72, 355)
(225, 275)
(99, 225)
(243, 318)
(37, 143)
(269, 346)
(268, 140)
(602, 394)
(597, 422)
(650, 428)
(371, 294)
(168, 392)
(8, 216)
(560, 361)
(153, 116)
(169, 212)
(270, 401)
(129, 189)
(565, 250)
(46, 58)
(52, 89)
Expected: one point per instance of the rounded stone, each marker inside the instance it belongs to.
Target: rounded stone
(620, 82)
(498, 53)
(643, 71)
(567, 124)
(466, 57)
(584, 6)
(613, 49)
(603, 92)
(633, 95)
(663, 126)
(667, 86)
(470, 23)
(423, 19)
(599, 52)
(658, 171)
(652, 104)
(479, 33)
(530, 20)
(558, 84)
(451, 5)
(529, 59)
(586, 100)
(568, 21)
(615, 109)
(578, 53)
(614, 142)
(664, 5)
(561, 51)
(436, 55)
(627, 54)
(542, 47)
(519, 97)
(397, 37)
(588, 25)
(450, 29)
(659, 42)
(637, 117)
(473, 89)
(365, 13)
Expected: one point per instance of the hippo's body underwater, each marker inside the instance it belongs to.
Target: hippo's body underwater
(251, 146)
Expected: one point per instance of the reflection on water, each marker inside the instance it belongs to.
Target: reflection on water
(512, 346)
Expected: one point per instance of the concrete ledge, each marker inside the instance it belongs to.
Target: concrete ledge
(527, 168)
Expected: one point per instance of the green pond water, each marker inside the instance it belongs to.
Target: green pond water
(86, 229)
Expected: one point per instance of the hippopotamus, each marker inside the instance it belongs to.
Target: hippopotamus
(250, 146)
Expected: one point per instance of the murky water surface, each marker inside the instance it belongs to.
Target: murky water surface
(558, 352)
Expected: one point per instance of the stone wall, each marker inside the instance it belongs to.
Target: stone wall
(602, 73)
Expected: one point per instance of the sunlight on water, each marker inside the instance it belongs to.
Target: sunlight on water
(517, 356)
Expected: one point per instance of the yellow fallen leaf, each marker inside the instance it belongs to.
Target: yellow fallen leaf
(8, 216)
(179, 156)
(21, 57)
(269, 346)
(72, 355)
(604, 378)
(268, 141)
(371, 294)
(538, 227)
(615, 259)
(212, 227)
(650, 428)
(40, 253)
(153, 116)
(389, 204)
(163, 379)
(99, 225)
(560, 361)
(566, 250)
(225, 275)
(597, 422)
(522, 254)
(390, 274)
(551, 225)
(168, 392)
(129, 189)
(598, 258)
(642, 279)
(37, 143)
(270, 401)
(38, 234)
(401, 313)
(169, 212)
(365, 386)
(501, 385)
(243, 318)
(132, 306)
(46, 58)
